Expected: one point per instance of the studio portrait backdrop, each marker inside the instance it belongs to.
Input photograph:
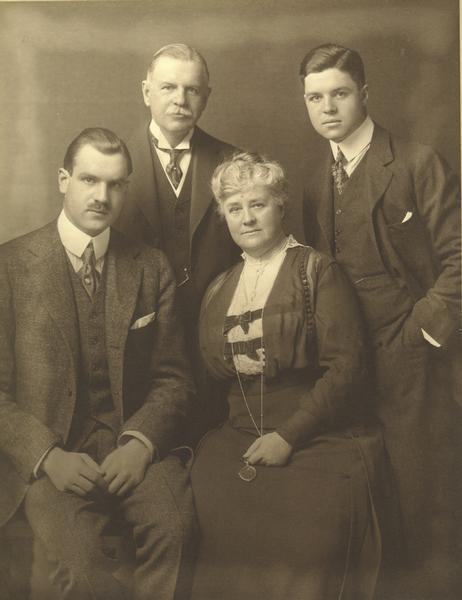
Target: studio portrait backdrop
(70, 65)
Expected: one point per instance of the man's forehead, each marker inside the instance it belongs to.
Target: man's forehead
(90, 159)
(88, 154)
(331, 78)
(169, 66)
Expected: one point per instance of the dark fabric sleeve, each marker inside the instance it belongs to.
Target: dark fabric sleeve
(162, 416)
(437, 196)
(334, 396)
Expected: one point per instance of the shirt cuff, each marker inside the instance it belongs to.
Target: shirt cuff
(429, 339)
(36, 472)
(139, 436)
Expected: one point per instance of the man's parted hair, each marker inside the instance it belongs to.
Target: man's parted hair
(180, 52)
(247, 170)
(103, 140)
(333, 56)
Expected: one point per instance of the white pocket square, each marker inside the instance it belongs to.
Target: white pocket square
(143, 321)
(407, 216)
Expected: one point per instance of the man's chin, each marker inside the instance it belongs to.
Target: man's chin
(331, 135)
(94, 228)
(176, 125)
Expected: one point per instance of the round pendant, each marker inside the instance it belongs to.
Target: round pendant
(247, 473)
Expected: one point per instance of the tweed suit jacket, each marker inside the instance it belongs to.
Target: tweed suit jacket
(414, 206)
(211, 247)
(39, 351)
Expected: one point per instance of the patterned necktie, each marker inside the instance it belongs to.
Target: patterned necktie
(338, 172)
(88, 274)
(173, 168)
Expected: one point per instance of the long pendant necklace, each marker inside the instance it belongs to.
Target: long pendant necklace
(249, 472)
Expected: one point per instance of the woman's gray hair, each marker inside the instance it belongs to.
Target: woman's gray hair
(246, 170)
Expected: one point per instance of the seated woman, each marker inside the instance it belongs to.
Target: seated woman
(287, 489)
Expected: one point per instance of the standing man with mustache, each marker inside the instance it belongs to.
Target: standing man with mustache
(171, 204)
(388, 210)
(94, 387)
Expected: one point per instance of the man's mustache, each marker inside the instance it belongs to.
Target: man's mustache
(98, 207)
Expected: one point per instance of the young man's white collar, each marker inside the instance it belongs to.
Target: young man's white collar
(75, 240)
(162, 141)
(356, 144)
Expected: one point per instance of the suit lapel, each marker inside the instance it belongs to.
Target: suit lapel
(203, 164)
(50, 272)
(378, 175)
(123, 280)
(143, 186)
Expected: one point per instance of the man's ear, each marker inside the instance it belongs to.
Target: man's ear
(364, 94)
(145, 89)
(208, 91)
(63, 180)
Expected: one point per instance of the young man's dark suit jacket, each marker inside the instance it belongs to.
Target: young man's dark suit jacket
(212, 250)
(39, 351)
(419, 386)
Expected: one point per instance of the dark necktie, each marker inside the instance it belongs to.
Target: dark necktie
(88, 274)
(338, 172)
(173, 168)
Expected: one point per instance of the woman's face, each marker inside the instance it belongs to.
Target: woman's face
(254, 220)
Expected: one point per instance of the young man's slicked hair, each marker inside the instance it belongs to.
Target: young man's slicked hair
(103, 140)
(333, 56)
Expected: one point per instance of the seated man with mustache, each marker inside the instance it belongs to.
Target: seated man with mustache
(94, 388)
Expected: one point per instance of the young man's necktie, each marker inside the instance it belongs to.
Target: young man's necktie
(338, 172)
(88, 274)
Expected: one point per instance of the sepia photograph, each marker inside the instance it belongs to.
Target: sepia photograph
(230, 300)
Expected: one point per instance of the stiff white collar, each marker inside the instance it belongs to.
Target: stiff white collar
(75, 240)
(356, 142)
(162, 141)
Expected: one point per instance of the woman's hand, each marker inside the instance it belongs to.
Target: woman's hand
(270, 450)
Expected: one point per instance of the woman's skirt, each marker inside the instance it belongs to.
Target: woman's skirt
(305, 531)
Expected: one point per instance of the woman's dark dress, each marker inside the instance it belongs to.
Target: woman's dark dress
(308, 530)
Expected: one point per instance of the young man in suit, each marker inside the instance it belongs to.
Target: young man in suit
(388, 210)
(170, 205)
(94, 386)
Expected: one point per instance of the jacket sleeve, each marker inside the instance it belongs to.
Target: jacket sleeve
(23, 438)
(334, 397)
(437, 197)
(162, 416)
